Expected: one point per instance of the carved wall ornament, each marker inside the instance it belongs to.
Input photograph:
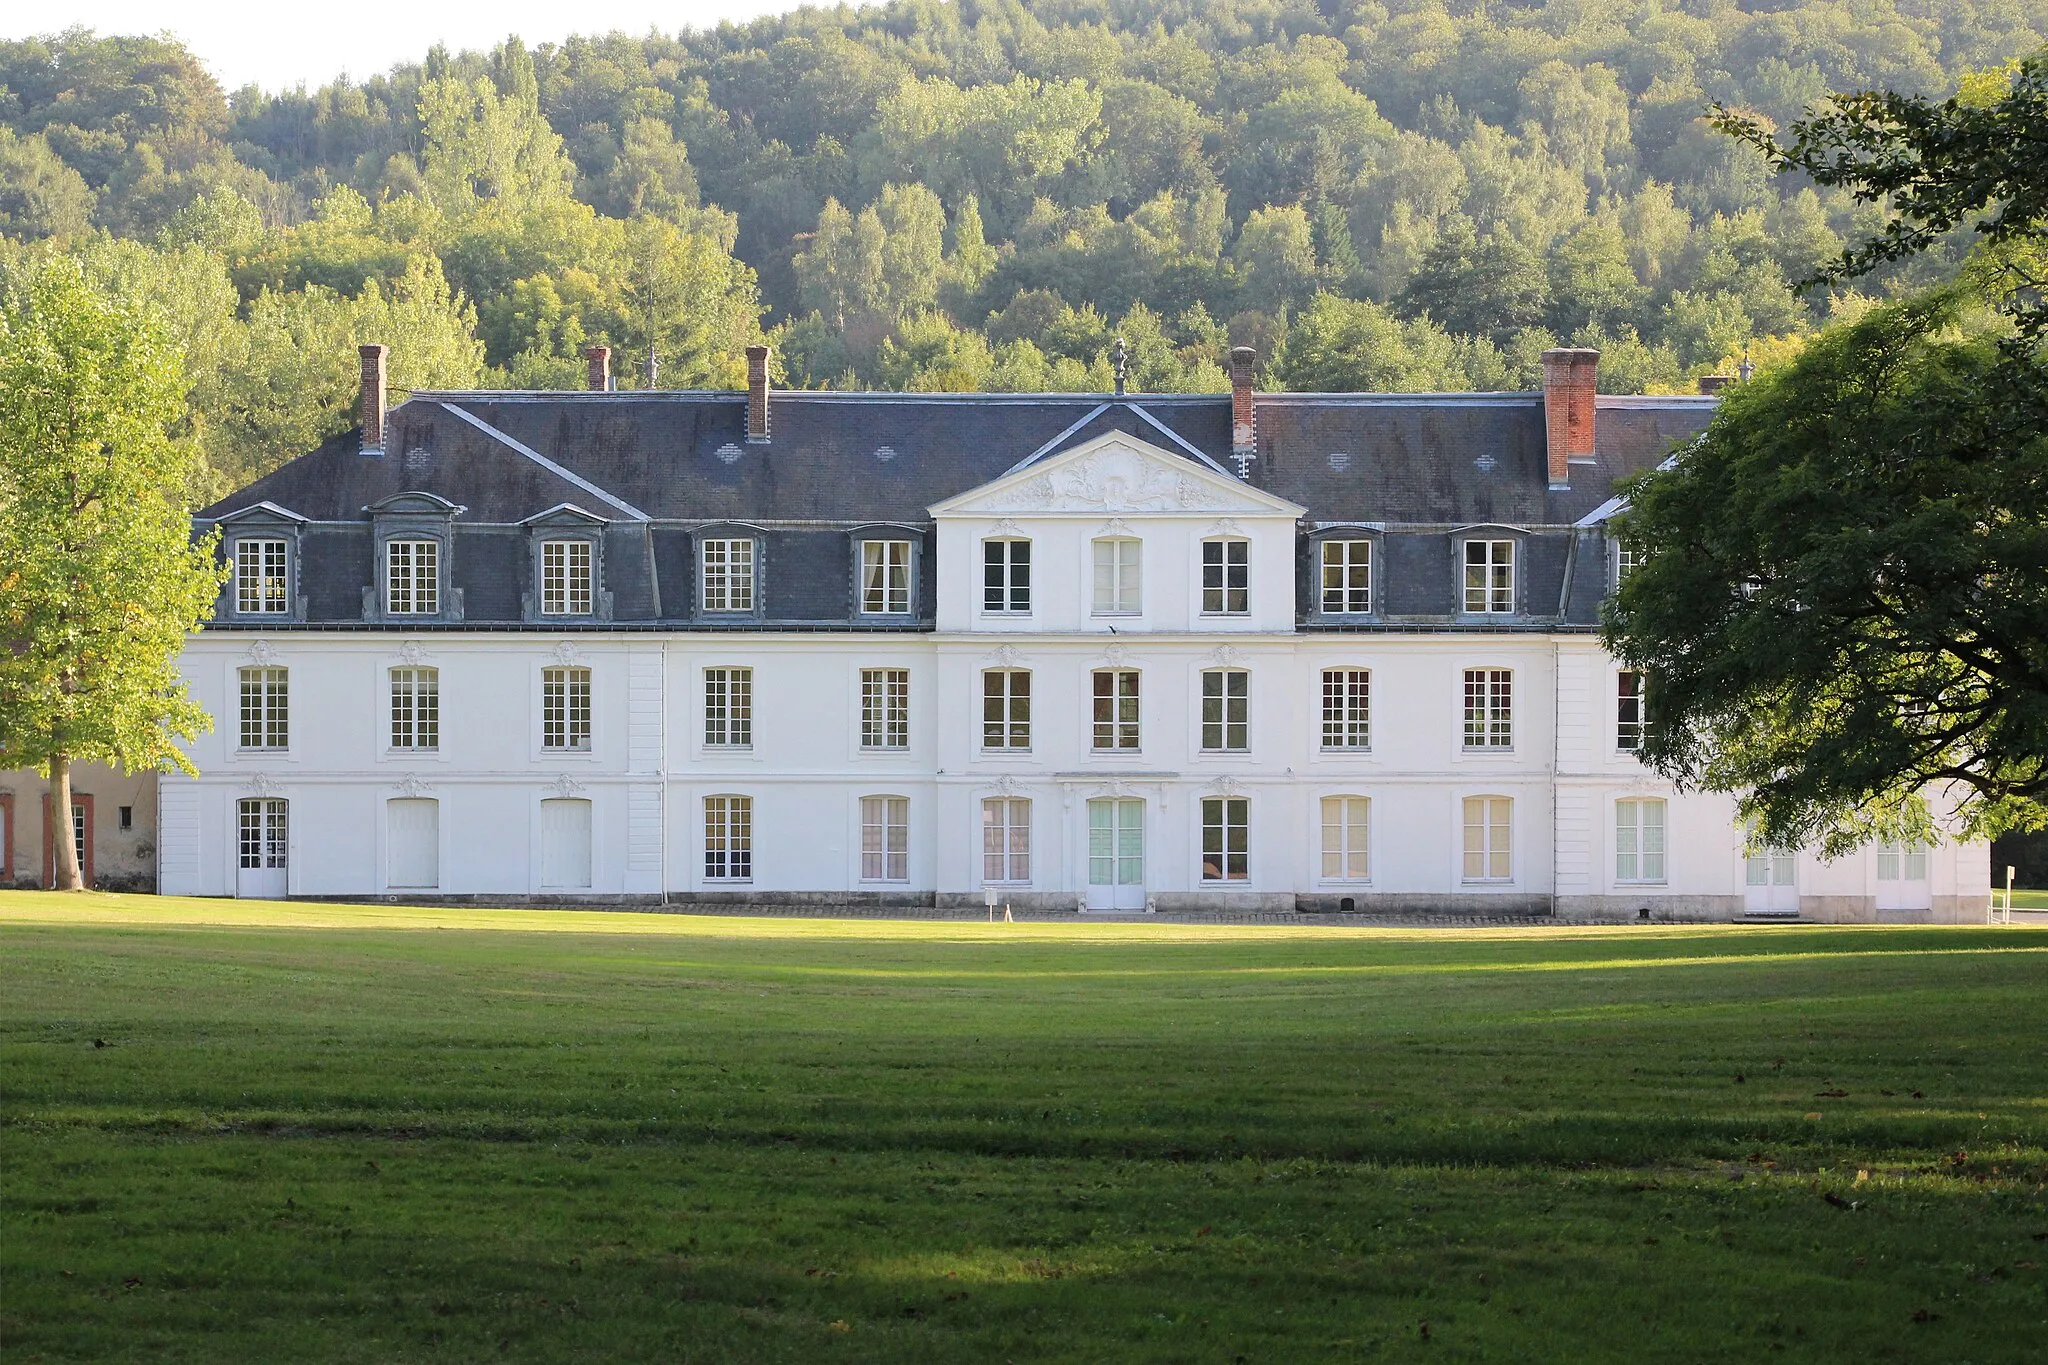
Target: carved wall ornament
(262, 784)
(564, 786)
(411, 655)
(1005, 527)
(1116, 786)
(1005, 656)
(1113, 479)
(1225, 526)
(1227, 786)
(1116, 656)
(411, 785)
(566, 653)
(1227, 656)
(1115, 526)
(1006, 786)
(262, 653)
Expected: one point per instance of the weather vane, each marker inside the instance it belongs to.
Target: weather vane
(1120, 364)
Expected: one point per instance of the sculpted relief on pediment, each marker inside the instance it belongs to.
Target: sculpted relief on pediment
(1110, 480)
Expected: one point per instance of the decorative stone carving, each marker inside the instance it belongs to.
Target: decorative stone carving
(411, 785)
(1225, 526)
(1005, 527)
(1227, 656)
(261, 784)
(566, 652)
(1113, 479)
(411, 655)
(262, 653)
(1115, 526)
(564, 786)
(1005, 656)
(1006, 786)
(1227, 786)
(1116, 656)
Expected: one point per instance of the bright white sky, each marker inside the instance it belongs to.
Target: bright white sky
(281, 43)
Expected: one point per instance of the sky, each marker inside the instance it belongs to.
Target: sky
(279, 45)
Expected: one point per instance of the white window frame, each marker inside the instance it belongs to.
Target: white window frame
(262, 833)
(565, 727)
(265, 709)
(1630, 695)
(1006, 841)
(568, 576)
(885, 838)
(1347, 710)
(421, 576)
(1641, 843)
(415, 709)
(1489, 577)
(1233, 710)
(1347, 838)
(1488, 698)
(1626, 562)
(1006, 576)
(1231, 574)
(1221, 816)
(729, 707)
(887, 572)
(1118, 581)
(1902, 862)
(728, 838)
(1352, 559)
(1126, 693)
(885, 710)
(726, 580)
(1006, 710)
(1488, 859)
(263, 584)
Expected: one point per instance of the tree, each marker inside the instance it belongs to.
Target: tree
(100, 579)
(1341, 345)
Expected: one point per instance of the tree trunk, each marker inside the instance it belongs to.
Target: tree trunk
(63, 838)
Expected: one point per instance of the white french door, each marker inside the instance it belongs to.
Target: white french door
(1772, 877)
(413, 844)
(1902, 878)
(1116, 853)
(262, 831)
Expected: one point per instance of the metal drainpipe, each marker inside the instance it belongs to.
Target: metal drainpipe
(661, 806)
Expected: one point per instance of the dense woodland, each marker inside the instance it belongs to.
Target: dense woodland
(1404, 195)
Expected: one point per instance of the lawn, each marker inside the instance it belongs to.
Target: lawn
(333, 1133)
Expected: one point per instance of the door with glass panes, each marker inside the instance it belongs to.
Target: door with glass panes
(1902, 878)
(262, 831)
(1772, 882)
(1116, 853)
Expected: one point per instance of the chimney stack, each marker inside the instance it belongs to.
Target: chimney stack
(1244, 431)
(1714, 383)
(757, 395)
(373, 399)
(600, 359)
(1571, 379)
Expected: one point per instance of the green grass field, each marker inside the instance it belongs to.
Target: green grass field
(238, 1132)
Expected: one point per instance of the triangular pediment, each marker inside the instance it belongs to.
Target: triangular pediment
(263, 514)
(1116, 474)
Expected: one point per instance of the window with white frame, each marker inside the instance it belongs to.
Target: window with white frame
(885, 838)
(565, 708)
(1489, 835)
(1006, 708)
(1627, 559)
(885, 577)
(1119, 577)
(262, 577)
(1628, 711)
(565, 578)
(1006, 576)
(412, 577)
(262, 830)
(1902, 863)
(1006, 839)
(1489, 576)
(728, 838)
(1639, 839)
(1226, 577)
(266, 708)
(1347, 708)
(885, 708)
(1347, 838)
(729, 708)
(1347, 577)
(1489, 709)
(1226, 838)
(1226, 709)
(416, 708)
(726, 573)
(1116, 708)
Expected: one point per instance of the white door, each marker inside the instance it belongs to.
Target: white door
(1116, 854)
(1772, 888)
(1902, 878)
(262, 827)
(565, 845)
(413, 844)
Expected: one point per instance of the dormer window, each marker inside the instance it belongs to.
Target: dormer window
(1347, 577)
(728, 575)
(565, 578)
(262, 578)
(412, 577)
(1489, 577)
(885, 577)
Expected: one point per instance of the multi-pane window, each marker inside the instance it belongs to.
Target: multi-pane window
(1907, 863)
(1226, 709)
(727, 575)
(1347, 708)
(1628, 711)
(1226, 577)
(1119, 579)
(1626, 561)
(729, 707)
(1006, 575)
(1489, 708)
(1006, 839)
(1639, 839)
(565, 708)
(565, 588)
(885, 708)
(1489, 576)
(266, 709)
(1347, 838)
(415, 708)
(728, 838)
(261, 578)
(1488, 838)
(1226, 838)
(412, 577)
(262, 830)
(1116, 708)
(1005, 708)
(1347, 576)
(885, 577)
(885, 838)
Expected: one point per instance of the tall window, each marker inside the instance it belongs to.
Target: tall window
(1488, 838)
(1347, 838)
(262, 831)
(727, 575)
(412, 577)
(1226, 577)
(1347, 708)
(1119, 580)
(1006, 839)
(1489, 575)
(1005, 708)
(1639, 839)
(1226, 838)
(1626, 561)
(1226, 709)
(1628, 711)
(729, 707)
(885, 838)
(565, 578)
(415, 708)
(1116, 708)
(266, 709)
(1347, 576)
(261, 582)
(885, 708)
(1489, 708)
(885, 577)
(565, 708)
(1006, 575)
(728, 838)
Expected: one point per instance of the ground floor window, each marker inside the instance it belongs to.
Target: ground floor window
(885, 838)
(728, 838)
(1488, 838)
(1226, 838)
(1639, 840)
(1347, 827)
(1006, 839)
(1906, 863)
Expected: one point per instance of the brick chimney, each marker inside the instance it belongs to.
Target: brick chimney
(1244, 430)
(600, 362)
(373, 399)
(757, 395)
(1571, 379)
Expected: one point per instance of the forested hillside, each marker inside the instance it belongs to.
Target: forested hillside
(1415, 194)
